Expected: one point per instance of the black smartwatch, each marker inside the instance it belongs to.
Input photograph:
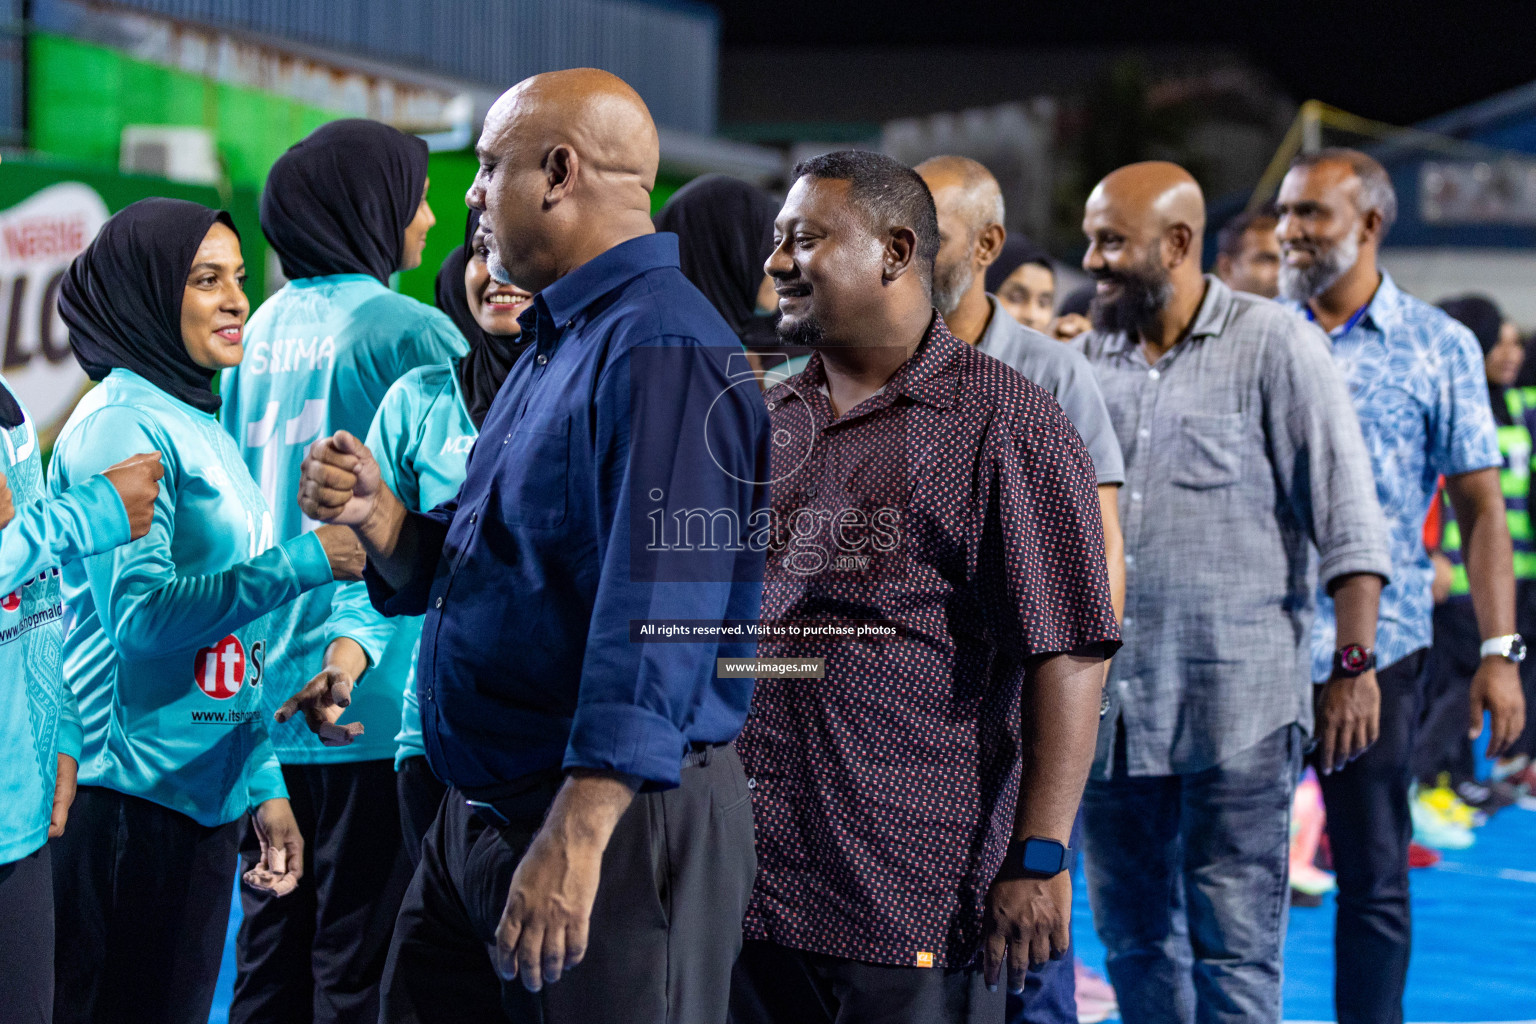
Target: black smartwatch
(1353, 660)
(1035, 858)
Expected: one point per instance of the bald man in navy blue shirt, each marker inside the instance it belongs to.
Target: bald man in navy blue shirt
(598, 814)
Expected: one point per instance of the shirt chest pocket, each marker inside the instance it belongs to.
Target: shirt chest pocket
(531, 480)
(1208, 451)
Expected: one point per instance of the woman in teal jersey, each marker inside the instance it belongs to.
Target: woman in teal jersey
(39, 720)
(344, 209)
(421, 439)
(167, 643)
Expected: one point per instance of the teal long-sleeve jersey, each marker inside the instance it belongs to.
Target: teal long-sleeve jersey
(169, 637)
(421, 438)
(320, 354)
(39, 718)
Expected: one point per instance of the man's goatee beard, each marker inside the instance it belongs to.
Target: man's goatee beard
(1302, 284)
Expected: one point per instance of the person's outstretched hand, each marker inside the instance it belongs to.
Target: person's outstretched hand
(339, 481)
(282, 849)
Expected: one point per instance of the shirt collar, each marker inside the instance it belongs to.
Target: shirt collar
(1385, 310)
(927, 377)
(600, 275)
(1210, 319)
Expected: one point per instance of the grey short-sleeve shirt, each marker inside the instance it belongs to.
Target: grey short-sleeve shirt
(1061, 370)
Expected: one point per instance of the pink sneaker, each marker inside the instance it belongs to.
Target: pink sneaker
(1095, 997)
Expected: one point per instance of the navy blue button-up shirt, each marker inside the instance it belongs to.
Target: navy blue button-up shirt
(616, 478)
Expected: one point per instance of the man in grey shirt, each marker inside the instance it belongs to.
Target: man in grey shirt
(1247, 481)
(971, 236)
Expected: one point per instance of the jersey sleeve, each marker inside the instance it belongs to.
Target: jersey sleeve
(146, 608)
(85, 520)
(391, 439)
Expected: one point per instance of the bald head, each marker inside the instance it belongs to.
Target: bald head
(1159, 193)
(567, 164)
(965, 188)
(970, 210)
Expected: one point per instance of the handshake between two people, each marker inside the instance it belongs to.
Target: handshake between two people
(340, 486)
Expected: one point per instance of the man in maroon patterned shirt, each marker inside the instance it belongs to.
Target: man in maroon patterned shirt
(913, 803)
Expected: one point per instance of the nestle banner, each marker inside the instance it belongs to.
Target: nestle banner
(38, 238)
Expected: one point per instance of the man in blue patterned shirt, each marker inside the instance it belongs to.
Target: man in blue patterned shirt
(1417, 382)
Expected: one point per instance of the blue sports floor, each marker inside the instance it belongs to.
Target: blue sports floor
(1474, 955)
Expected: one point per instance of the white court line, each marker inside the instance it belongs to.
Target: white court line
(1507, 874)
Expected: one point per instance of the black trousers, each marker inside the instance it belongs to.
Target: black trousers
(1441, 744)
(665, 927)
(26, 939)
(1368, 831)
(317, 953)
(778, 985)
(420, 794)
(141, 905)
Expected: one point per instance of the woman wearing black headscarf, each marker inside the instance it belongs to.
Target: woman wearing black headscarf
(421, 438)
(345, 208)
(724, 229)
(167, 634)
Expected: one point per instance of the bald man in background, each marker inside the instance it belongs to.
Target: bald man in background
(593, 857)
(1242, 455)
(971, 237)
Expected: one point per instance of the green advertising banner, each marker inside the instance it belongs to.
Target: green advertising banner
(49, 213)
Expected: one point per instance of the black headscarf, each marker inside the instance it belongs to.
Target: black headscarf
(1017, 251)
(1480, 315)
(490, 356)
(724, 229)
(121, 297)
(339, 201)
(11, 415)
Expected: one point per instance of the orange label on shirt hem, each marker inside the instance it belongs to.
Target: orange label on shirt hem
(924, 959)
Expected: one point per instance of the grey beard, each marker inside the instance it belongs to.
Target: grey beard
(1300, 284)
(949, 288)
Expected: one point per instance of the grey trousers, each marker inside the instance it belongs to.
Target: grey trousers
(665, 927)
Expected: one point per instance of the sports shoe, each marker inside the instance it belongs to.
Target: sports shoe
(1433, 828)
(1489, 799)
(1421, 856)
(1095, 997)
(1442, 799)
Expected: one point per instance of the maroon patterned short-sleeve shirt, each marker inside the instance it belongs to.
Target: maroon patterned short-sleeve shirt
(959, 505)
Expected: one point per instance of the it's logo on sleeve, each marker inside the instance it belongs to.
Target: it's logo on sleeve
(219, 671)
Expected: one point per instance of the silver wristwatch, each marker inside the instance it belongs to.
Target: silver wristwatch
(1511, 647)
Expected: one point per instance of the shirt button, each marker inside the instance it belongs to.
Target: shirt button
(438, 603)
(1143, 432)
(1130, 559)
(772, 406)
(1154, 373)
(751, 783)
(1135, 495)
(474, 517)
(1129, 622)
(541, 358)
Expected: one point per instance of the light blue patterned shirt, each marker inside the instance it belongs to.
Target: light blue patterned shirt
(1417, 380)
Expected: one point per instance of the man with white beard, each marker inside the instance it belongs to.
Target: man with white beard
(1417, 381)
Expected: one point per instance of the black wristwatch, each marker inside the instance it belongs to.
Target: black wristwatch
(1353, 660)
(1035, 858)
